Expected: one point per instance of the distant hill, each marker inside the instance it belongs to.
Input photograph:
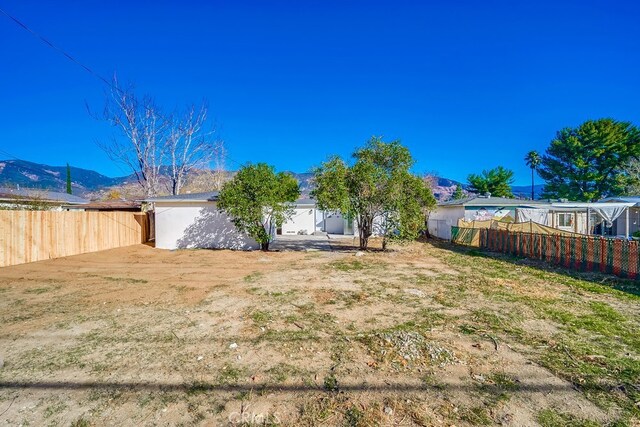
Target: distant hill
(91, 184)
(84, 182)
(21, 173)
(306, 182)
(525, 190)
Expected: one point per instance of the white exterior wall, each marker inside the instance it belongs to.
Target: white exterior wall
(620, 223)
(441, 220)
(303, 221)
(581, 225)
(579, 222)
(334, 223)
(181, 225)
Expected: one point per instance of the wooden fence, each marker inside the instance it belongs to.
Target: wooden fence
(585, 253)
(27, 236)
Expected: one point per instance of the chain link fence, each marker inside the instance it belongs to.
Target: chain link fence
(584, 253)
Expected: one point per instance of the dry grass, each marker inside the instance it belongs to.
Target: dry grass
(422, 335)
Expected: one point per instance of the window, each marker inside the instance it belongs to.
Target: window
(565, 220)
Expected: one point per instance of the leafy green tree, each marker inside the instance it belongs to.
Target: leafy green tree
(68, 179)
(533, 160)
(413, 205)
(632, 170)
(378, 190)
(458, 193)
(496, 181)
(587, 163)
(257, 200)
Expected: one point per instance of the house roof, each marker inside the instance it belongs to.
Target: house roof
(594, 205)
(109, 205)
(490, 201)
(306, 202)
(629, 199)
(31, 194)
(209, 196)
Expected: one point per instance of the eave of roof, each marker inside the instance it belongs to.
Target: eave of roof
(109, 205)
(491, 201)
(631, 199)
(210, 196)
(49, 198)
(305, 202)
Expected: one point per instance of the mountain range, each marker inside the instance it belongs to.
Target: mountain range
(91, 184)
(54, 178)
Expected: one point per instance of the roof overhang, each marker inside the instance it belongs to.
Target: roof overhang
(576, 206)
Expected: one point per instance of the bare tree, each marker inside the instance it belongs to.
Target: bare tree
(190, 146)
(220, 175)
(144, 131)
(158, 148)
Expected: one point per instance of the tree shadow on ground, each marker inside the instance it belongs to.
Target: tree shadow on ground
(300, 244)
(621, 284)
(203, 386)
(350, 245)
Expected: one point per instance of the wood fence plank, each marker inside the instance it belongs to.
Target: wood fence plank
(27, 236)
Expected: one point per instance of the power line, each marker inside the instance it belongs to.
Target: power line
(75, 61)
(58, 49)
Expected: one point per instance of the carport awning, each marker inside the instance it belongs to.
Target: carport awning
(609, 212)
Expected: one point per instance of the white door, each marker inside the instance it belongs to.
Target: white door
(334, 223)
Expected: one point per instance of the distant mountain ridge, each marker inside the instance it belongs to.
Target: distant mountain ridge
(525, 190)
(21, 173)
(89, 183)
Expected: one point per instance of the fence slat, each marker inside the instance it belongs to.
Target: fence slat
(28, 236)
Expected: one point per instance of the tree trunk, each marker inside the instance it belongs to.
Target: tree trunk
(364, 242)
(175, 189)
(364, 230)
(264, 246)
(426, 226)
(532, 184)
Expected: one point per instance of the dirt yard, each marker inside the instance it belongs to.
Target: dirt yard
(426, 334)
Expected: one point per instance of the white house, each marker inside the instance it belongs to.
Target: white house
(308, 219)
(194, 221)
(630, 222)
(304, 219)
(31, 198)
(574, 217)
(478, 208)
(337, 223)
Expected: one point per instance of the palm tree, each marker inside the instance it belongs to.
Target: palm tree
(533, 160)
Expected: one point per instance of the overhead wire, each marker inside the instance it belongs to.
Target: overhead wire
(71, 58)
(58, 49)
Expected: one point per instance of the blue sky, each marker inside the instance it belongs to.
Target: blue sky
(466, 85)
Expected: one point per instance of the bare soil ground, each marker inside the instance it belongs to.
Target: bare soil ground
(425, 334)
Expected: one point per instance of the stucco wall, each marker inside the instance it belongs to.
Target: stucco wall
(197, 225)
(301, 222)
(441, 220)
(334, 223)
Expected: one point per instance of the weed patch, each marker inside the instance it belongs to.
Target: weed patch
(551, 418)
(253, 277)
